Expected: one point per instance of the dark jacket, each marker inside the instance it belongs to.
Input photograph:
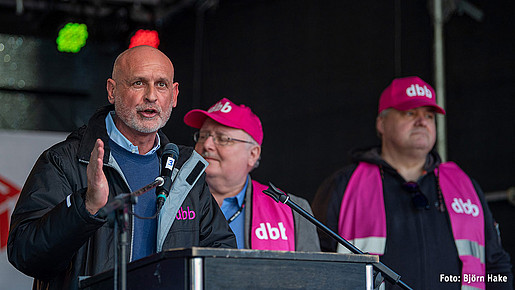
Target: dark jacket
(54, 239)
(420, 244)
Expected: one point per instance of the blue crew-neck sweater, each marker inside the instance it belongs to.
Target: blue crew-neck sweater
(140, 170)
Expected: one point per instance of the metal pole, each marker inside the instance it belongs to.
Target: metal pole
(398, 39)
(197, 56)
(439, 78)
(196, 273)
(124, 244)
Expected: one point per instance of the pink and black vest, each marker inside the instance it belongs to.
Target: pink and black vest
(272, 226)
(364, 195)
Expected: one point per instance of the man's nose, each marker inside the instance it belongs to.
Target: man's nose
(210, 142)
(421, 119)
(207, 145)
(151, 94)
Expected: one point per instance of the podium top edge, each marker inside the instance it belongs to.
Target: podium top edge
(266, 254)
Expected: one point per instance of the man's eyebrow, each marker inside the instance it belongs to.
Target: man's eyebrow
(136, 78)
(164, 79)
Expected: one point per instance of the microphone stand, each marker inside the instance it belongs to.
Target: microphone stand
(117, 213)
(280, 196)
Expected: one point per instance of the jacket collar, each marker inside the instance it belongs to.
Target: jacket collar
(373, 155)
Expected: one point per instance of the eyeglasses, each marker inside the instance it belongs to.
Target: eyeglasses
(418, 199)
(218, 139)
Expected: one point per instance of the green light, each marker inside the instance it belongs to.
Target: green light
(72, 37)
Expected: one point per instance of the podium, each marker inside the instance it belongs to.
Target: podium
(214, 268)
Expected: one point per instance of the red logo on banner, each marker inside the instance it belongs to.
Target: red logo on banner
(8, 194)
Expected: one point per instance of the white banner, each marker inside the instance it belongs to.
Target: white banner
(19, 151)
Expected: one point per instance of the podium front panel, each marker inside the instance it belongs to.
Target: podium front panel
(207, 268)
(281, 274)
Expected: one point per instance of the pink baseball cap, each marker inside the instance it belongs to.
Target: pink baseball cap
(408, 93)
(229, 114)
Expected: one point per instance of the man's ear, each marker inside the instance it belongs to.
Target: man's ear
(111, 84)
(380, 125)
(175, 93)
(255, 152)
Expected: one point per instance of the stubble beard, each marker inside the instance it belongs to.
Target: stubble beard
(141, 124)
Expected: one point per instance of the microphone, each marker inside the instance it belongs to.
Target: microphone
(282, 197)
(168, 160)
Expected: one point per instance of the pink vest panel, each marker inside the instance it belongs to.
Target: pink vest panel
(362, 215)
(272, 226)
(467, 219)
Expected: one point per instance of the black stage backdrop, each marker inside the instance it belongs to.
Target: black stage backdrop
(313, 72)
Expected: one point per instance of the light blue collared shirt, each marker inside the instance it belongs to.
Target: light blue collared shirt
(119, 139)
(230, 206)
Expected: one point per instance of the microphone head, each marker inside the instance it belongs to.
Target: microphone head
(275, 193)
(168, 159)
(172, 149)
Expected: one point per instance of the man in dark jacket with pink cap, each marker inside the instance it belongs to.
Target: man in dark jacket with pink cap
(230, 139)
(426, 219)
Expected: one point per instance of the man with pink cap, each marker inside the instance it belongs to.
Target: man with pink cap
(233, 151)
(426, 219)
